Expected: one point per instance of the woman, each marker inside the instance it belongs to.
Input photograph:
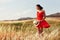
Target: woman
(41, 19)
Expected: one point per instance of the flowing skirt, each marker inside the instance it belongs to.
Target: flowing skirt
(43, 24)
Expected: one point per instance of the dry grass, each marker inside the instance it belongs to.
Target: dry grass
(25, 30)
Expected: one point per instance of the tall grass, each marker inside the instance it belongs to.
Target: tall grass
(27, 31)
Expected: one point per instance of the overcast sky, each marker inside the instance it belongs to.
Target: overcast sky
(14, 9)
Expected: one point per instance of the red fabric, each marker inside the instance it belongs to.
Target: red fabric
(40, 15)
(42, 24)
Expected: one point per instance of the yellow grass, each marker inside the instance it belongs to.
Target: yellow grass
(25, 30)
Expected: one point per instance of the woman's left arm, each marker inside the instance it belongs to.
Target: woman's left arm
(44, 16)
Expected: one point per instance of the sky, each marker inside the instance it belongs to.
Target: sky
(14, 9)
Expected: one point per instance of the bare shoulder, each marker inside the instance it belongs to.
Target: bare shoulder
(43, 10)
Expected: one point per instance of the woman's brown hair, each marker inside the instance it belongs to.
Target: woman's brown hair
(39, 6)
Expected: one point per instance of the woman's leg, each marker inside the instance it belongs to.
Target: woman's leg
(40, 30)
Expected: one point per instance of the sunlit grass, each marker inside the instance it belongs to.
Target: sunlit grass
(27, 31)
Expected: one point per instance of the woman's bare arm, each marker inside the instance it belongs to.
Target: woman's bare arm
(44, 16)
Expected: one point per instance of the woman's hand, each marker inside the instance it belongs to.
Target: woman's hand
(38, 22)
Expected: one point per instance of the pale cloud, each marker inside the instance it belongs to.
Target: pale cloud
(5, 1)
(27, 13)
(7, 14)
(1, 9)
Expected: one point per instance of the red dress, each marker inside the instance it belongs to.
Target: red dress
(43, 23)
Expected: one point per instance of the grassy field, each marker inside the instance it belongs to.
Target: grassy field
(25, 30)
